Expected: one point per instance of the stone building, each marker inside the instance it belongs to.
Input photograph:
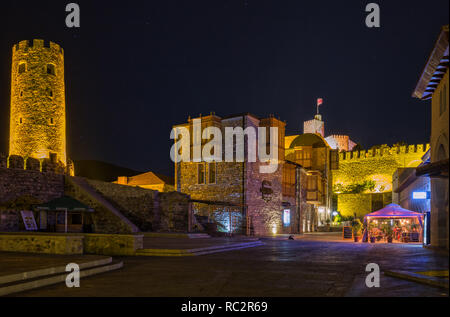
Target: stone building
(434, 84)
(311, 151)
(237, 195)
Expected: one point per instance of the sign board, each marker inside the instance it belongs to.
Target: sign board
(421, 195)
(28, 220)
(347, 233)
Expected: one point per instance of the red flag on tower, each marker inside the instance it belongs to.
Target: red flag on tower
(319, 101)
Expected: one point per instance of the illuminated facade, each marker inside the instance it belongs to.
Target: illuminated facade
(376, 166)
(236, 195)
(37, 121)
(434, 84)
(311, 151)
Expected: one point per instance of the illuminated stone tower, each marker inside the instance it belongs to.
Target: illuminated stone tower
(38, 107)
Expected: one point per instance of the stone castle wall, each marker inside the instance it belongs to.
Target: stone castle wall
(148, 209)
(15, 183)
(143, 207)
(26, 185)
(361, 204)
(377, 164)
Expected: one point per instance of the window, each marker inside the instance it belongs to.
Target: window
(76, 219)
(20, 120)
(22, 68)
(286, 217)
(53, 157)
(212, 173)
(288, 180)
(200, 173)
(49, 92)
(21, 93)
(52, 121)
(312, 182)
(51, 69)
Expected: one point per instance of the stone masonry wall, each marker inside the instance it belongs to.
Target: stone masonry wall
(15, 183)
(103, 220)
(147, 209)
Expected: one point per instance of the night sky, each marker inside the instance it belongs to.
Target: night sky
(135, 68)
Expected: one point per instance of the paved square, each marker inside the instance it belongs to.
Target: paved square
(304, 267)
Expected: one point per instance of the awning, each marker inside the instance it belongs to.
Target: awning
(64, 203)
(394, 211)
(437, 169)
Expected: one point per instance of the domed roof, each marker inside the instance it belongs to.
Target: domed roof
(308, 139)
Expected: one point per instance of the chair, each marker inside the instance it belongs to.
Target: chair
(414, 236)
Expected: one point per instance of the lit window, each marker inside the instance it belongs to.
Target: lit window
(212, 173)
(51, 69)
(286, 217)
(201, 173)
(22, 68)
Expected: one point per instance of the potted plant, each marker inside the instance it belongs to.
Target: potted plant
(388, 232)
(356, 229)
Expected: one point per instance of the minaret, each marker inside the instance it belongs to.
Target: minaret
(38, 107)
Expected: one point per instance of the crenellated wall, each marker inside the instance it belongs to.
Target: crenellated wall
(44, 165)
(376, 165)
(398, 152)
(15, 183)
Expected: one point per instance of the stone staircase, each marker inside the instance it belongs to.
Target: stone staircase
(96, 196)
(200, 251)
(198, 235)
(25, 281)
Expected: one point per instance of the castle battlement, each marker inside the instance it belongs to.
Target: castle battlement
(385, 151)
(43, 165)
(26, 45)
(339, 136)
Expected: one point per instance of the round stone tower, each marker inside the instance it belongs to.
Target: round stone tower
(38, 106)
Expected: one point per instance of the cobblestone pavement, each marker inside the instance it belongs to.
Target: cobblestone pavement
(304, 267)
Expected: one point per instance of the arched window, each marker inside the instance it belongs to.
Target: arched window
(441, 154)
(22, 67)
(51, 69)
